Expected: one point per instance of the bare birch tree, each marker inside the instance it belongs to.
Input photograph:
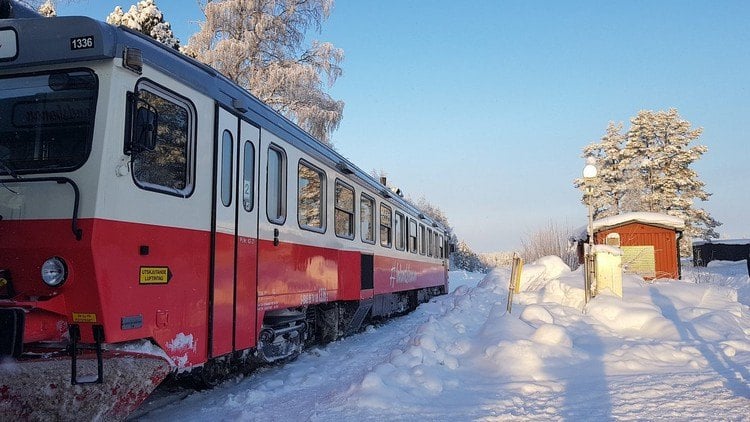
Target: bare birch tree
(259, 45)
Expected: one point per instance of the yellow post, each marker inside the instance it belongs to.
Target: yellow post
(515, 279)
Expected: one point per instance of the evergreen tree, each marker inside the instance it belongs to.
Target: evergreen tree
(258, 44)
(609, 187)
(466, 259)
(146, 18)
(650, 171)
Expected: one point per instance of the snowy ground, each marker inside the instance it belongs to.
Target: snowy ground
(669, 350)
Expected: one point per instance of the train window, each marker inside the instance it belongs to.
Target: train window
(276, 185)
(436, 245)
(412, 236)
(441, 248)
(168, 166)
(429, 242)
(422, 240)
(46, 121)
(310, 199)
(367, 218)
(248, 177)
(400, 231)
(385, 225)
(227, 147)
(344, 210)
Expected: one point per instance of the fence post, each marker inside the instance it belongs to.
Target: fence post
(515, 280)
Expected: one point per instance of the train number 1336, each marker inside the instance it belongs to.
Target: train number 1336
(80, 43)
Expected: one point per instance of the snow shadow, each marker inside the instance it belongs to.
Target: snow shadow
(733, 374)
(586, 395)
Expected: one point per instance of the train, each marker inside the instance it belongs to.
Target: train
(158, 221)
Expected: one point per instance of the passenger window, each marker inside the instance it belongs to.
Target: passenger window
(441, 247)
(248, 177)
(436, 245)
(429, 242)
(168, 166)
(386, 226)
(344, 213)
(227, 146)
(412, 236)
(400, 231)
(367, 218)
(276, 185)
(422, 240)
(310, 212)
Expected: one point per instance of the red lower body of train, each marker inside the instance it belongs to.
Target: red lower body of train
(141, 302)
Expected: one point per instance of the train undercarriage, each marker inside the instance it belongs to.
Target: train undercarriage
(286, 333)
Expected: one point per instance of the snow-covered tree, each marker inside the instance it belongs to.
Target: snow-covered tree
(652, 171)
(146, 18)
(608, 188)
(47, 9)
(259, 45)
(466, 259)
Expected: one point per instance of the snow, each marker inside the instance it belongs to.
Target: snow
(668, 350)
(643, 217)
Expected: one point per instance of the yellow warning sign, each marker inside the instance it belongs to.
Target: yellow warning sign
(77, 317)
(155, 275)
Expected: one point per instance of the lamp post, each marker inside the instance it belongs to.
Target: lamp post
(589, 173)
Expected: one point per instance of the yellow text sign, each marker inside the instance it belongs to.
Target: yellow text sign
(82, 317)
(155, 275)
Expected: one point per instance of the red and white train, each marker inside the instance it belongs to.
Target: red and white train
(157, 219)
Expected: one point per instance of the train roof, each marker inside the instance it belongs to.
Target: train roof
(51, 42)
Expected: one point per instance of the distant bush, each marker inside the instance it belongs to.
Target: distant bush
(550, 240)
(496, 259)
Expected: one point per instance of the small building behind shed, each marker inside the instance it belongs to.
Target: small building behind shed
(720, 250)
(649, 242)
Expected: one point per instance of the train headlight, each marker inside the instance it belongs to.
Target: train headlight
(54, 272)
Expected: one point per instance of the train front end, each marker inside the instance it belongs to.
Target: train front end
(55, 359)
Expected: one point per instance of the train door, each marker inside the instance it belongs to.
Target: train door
(235, 233)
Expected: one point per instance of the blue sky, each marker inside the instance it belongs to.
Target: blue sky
(483, 107)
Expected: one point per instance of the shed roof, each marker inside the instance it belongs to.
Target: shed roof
(650, 218)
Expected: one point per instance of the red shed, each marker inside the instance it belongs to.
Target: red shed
(649, 242)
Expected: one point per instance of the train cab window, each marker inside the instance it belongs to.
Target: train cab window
(367, 218)
(227, 147)
(386, 225)
(344, 210)
(412, 236)
(276, 185)
(167, 167)
(400, 231)
(248, 177)
(311, 197)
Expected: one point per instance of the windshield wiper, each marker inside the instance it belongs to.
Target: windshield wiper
(77, 232)
(6, 168)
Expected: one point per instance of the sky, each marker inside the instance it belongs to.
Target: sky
(484, 107)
